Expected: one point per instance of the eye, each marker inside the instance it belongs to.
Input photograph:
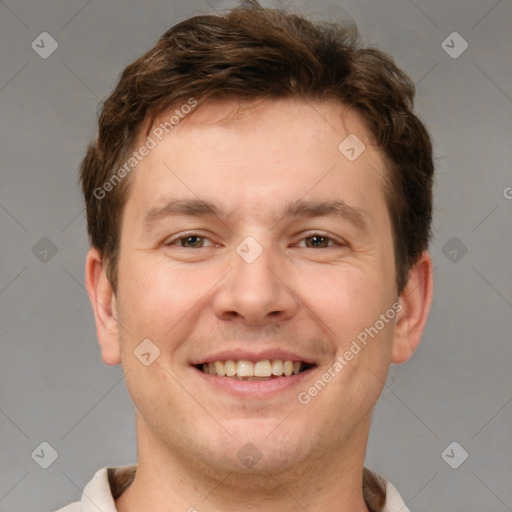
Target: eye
(318, 241)
(189, 241)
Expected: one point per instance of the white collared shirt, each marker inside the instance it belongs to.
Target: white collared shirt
(97, 495)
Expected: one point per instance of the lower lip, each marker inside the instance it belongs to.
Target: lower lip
(254, 388)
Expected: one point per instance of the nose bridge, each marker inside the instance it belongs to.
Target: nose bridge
(254, 289)
(253, 264)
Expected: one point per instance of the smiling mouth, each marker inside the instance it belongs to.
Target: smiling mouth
(254, 370)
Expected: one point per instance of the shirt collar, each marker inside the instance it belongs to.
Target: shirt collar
(109, 483)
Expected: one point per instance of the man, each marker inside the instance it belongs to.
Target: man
(259, 202)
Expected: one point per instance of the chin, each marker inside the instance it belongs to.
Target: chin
(259, 450)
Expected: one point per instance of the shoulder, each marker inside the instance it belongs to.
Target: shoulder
(105, 486)
(394, 502)
(380, 494)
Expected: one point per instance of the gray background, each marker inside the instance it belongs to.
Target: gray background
(54, 386)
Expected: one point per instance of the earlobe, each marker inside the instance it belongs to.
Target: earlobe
(415, 300)
(104, 305)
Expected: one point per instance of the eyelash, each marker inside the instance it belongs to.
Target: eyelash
(311, 234)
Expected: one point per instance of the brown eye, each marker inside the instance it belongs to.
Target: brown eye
(317, 241)
(193, 241)
(189, 241)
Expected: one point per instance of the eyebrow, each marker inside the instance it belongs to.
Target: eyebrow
(299, 208)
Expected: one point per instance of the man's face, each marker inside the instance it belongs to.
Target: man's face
(256, 282)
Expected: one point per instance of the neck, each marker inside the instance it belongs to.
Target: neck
(170, 482)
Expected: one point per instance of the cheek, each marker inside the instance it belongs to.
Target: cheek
(346, 298)
(158, 295)
(350, 301)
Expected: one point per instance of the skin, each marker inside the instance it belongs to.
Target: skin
(310, 298)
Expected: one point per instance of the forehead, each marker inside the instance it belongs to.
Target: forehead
(259, 154)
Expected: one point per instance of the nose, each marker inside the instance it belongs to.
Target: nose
(256, 290)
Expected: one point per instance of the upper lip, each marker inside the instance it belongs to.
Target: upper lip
(246, 355)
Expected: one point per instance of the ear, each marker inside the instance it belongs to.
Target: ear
(104, 306)
(415, 301)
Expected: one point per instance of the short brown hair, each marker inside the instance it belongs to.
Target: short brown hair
(256, 53)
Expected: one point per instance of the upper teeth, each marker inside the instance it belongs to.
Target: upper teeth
(245, 368)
